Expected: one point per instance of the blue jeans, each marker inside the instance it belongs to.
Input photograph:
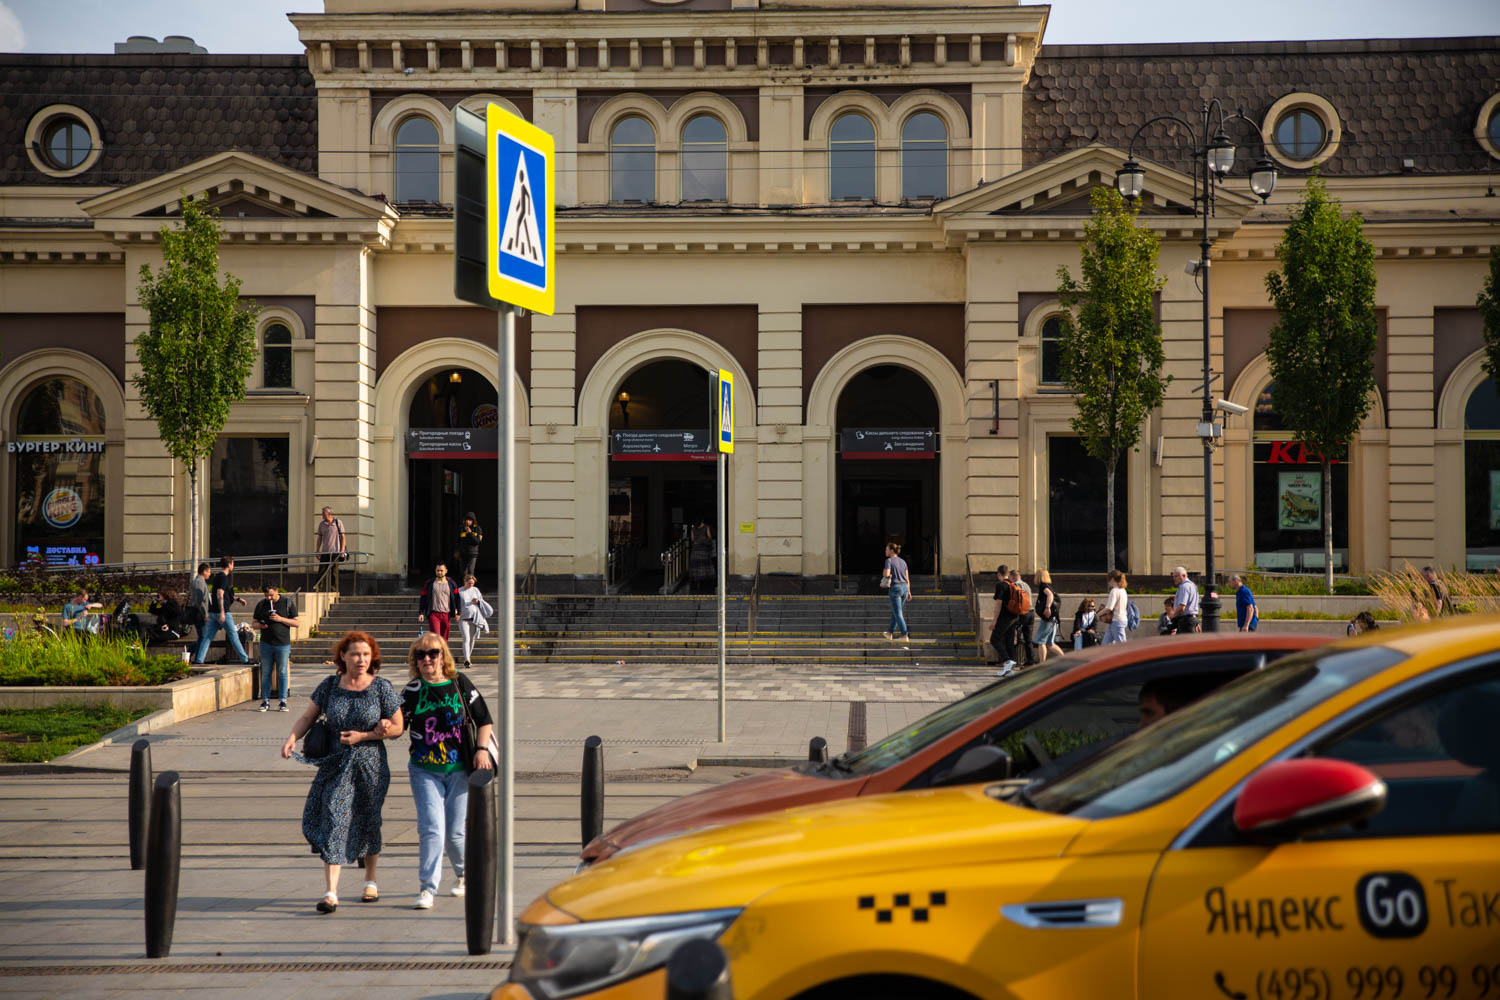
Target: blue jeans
(898, 602)
(442, 806)
(1113, 632)
(211, 627)
(279, 657)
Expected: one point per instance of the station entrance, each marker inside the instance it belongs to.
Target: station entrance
(452, 470)
(661, 469)
(886, 479)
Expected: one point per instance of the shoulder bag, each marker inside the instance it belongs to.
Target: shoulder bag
(319, 740)
(469, 732)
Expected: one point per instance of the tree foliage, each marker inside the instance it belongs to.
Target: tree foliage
(1489, 312)
(199, 347)
(1111, 349)
(1322, 349)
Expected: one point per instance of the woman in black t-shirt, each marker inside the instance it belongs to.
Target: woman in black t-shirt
(1046, 609)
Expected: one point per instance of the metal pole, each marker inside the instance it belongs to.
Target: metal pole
(139, 811)
(723, 498)
(163, 864)
(1209, 613)
(506, 633)
(591, 791)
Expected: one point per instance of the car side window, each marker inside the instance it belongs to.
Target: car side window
(1439, 756)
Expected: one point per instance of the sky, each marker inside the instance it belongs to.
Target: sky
(238, 26)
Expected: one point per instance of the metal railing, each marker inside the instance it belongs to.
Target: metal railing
(619, 566)
(754, 611)
(291, 571)
(971, 596)
(674, 564)
(527, 592)
(937, 564)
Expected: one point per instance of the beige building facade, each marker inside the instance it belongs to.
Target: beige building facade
(857, 209)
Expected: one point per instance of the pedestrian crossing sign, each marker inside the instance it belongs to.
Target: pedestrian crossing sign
(521, 212)
(726, 411)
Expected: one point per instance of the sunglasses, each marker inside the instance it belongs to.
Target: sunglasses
(428, 654)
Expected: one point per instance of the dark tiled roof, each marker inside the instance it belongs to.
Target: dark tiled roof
(160, 112)
(1416, 98)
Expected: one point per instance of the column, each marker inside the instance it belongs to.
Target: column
(993, 470)
(1412, 479)
(555, 110)
(154, 527)
(781, 132)
(553, 480)
(344, 407)
(779, 490)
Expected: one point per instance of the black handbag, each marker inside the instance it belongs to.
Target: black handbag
(320, 739)
(468, 741)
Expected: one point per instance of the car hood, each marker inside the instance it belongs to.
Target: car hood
(759, 793)
(731, 865)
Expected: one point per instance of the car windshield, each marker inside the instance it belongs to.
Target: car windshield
(904, 742)
(1162, 760)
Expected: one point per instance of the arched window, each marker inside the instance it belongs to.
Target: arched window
(416, 160)
(851, 159)
(1482, 477)
(705, 160)
(1050, 355)
(632, 161)
(924, 157)
(1287, 497)
(276, 357)
(60, 488)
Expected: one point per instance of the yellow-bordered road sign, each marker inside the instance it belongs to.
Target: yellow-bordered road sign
(726, 412)
(522, 212)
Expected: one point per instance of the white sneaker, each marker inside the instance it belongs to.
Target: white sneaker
(458, 887)
(1006, 669)
(424, 901)
(265, 706)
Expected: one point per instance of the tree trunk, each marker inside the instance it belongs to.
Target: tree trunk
(1109, 510)
(1326, 466)
(192, 532)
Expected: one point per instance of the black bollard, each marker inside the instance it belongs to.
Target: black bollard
(163, 864)
(139, 815)
(817, 750)
(698, 970)
(480, 862)
(592, 807)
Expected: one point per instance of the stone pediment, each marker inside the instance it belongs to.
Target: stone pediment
(255, 197)
(1059, 190)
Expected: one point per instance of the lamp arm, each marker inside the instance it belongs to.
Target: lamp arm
(1254, 128)
(1130, 151)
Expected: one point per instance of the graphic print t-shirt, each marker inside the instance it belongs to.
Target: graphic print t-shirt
(435, 716)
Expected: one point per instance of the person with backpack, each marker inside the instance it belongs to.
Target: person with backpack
(1011, 604)
(1116, 613)
(1028, 622)
(1045, 637)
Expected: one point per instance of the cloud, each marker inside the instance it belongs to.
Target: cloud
(12, 35)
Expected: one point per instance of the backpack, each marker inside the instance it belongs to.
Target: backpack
(1019, 602)
(1132, 616)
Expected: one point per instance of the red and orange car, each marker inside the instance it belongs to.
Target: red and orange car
(1025, 726)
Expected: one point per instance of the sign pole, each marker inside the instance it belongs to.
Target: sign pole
(722, 497)
(506, 604)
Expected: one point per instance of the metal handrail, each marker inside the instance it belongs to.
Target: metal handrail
(754, 607)
(256, 569)
(674, 564)
(838, 570)
(971, 595)
(937, 564)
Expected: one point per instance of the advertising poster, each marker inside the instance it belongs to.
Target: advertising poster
(1494, 500)
(1301, 501)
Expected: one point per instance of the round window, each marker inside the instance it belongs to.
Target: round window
(66, 143)
(1494, 129)
(1300, 134)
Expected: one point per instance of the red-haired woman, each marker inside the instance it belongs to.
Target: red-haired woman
(341, 819)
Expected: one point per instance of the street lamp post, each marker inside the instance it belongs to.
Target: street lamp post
(1215, 153)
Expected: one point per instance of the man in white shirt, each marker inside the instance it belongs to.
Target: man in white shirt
(1185, 603)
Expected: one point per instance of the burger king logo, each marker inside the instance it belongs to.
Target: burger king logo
(63, 508)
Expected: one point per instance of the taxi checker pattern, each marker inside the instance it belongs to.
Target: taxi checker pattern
(902, 901)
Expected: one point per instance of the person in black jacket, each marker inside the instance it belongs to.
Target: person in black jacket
(169, 619)
(469, 537)
(439, 601)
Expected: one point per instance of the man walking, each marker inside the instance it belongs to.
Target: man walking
(1440, 593)
(331, 545)
(220, 599)
(1246, 614)
(1028, 621)
(197, 610)
(1185, 603)
(1003, 634)
(439, 601)
(274, 618)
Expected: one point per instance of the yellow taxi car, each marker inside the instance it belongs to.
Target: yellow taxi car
(1327, 828)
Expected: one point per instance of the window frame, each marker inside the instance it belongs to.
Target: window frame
(433, 149)
(1487, 119)
(616, 148)
(1319, 108)
(265, 347)
(874, 154)
(1041, 352)
(925, 144)
(40, 129)
(686, 146)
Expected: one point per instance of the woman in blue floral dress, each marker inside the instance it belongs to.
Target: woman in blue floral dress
(341, 819)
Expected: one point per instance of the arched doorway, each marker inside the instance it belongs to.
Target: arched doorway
(1482, 477)
(452, 470)
(661, 466)
(57, 464)
(1287, 498)
(886, 479)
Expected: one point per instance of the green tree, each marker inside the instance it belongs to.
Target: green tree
(1489, 312)
(1110, 340)
(1322, 351)
(198, 349)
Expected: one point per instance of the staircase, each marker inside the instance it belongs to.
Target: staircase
(653, 629)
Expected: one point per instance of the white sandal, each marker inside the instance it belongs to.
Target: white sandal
(372, 894)
(329, 902)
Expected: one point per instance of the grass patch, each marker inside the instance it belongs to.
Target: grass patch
(1321, 616)
(31, 659)
(31, 735)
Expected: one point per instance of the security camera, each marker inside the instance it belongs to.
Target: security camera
(1225, 406)
(1193, 267)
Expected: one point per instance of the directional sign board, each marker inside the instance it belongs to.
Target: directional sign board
(725, 421)
(888, 442)
(522, 212)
